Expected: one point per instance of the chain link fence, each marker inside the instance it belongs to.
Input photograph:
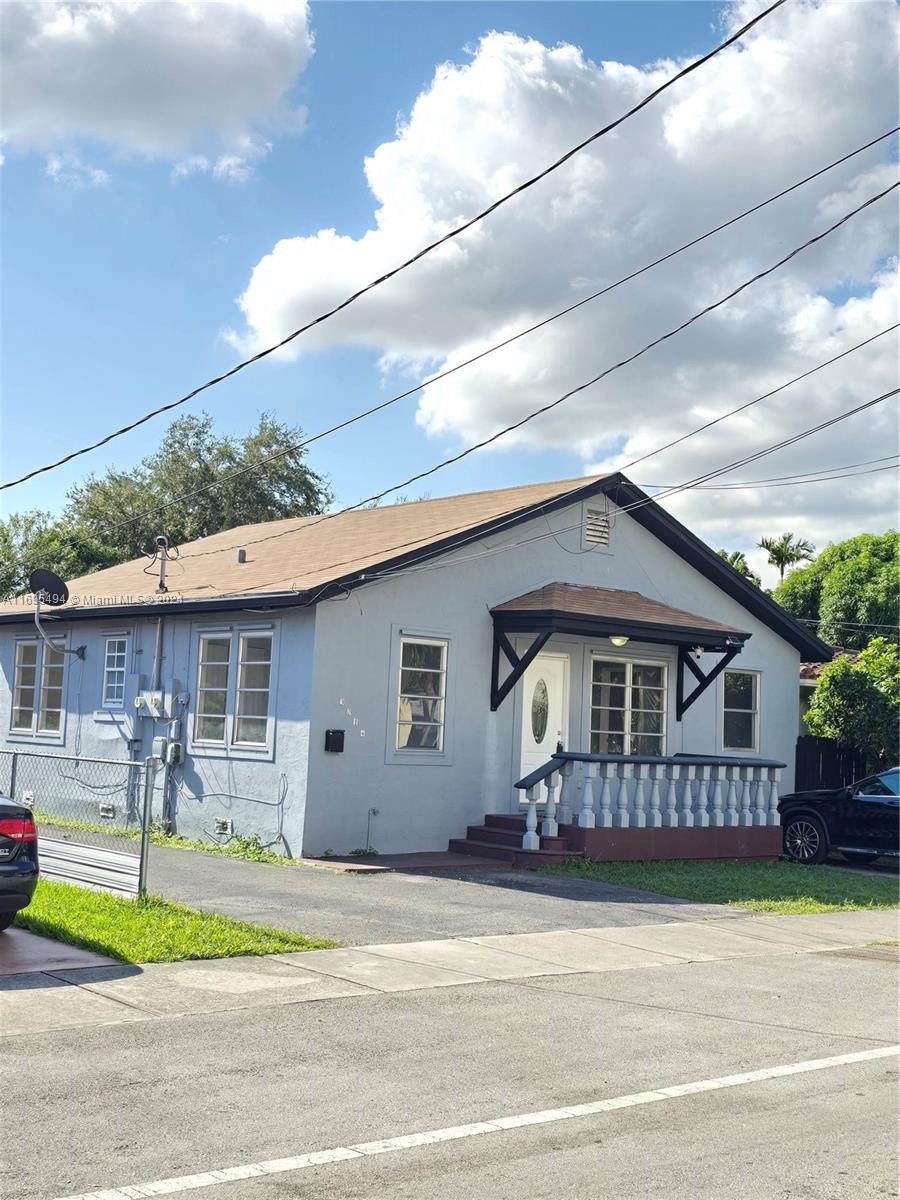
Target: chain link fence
(92, 814)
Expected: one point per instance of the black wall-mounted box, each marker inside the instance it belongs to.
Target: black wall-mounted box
(334, 741)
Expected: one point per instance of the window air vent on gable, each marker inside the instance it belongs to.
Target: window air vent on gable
(596, 527)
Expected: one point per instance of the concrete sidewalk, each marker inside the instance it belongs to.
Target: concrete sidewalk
(33, 1002)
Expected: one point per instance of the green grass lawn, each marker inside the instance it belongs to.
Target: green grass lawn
(778, 887)
(149, 930)
(247, 848)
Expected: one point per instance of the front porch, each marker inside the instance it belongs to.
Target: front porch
(612, 692)
(617, 807)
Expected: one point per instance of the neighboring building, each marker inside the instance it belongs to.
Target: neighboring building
(310, 672)
(809, 679)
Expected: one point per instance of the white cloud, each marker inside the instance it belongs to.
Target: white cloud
(67, 169)
(810, 83)
(227, 168)
(162, 78)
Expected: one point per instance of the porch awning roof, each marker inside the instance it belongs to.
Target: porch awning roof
(602, 612)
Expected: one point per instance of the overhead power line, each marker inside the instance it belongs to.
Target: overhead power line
(822, 476)
(446, 462)
(453, 233)
(253, 468)
(515, 514)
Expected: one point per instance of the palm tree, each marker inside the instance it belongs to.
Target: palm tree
(786, 550)
(738, 560)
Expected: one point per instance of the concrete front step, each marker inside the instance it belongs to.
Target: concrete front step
(516, 855)
(505, 821)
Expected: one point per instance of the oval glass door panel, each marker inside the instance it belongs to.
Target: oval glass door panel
(540, 709)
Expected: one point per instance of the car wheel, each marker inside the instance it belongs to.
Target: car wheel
(6, 919)
(856, 856)
(805, 840)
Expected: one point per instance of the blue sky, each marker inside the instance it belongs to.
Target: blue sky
(114, 297)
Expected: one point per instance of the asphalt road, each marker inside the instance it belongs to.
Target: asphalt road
(361, 910)
(103, 1107)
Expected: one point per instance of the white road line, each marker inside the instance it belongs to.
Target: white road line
(410, 1141)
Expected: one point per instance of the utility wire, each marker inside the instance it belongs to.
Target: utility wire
(453, 233)
(446, 462)
(516, 513)
(822, 476)
(427, 381)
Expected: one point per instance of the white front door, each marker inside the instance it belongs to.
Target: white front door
(545, 710)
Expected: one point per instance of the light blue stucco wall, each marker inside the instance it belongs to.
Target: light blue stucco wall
(263, 792)
(423, 804)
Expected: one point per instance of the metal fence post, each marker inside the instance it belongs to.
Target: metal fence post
(146, 814)
(12, 775)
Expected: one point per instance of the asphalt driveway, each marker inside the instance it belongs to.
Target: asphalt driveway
(361, 910)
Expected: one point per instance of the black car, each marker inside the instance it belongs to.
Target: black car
(18, 859)
(861, 821)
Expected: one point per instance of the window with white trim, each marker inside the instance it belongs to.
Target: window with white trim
(38, 688)
(422, 694)
(234, 679)
(740, 718)
(628, 707)
(114, 666)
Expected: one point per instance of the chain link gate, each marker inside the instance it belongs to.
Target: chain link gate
(93, 815)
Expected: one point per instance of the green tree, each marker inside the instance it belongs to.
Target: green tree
(786, 550)
(33, 539)
(849, 594)
(858, 704)
(203, 483)
(738, 560)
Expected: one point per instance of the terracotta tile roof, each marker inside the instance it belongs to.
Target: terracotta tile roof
(610, 604)
(304, 553)
(812, 670)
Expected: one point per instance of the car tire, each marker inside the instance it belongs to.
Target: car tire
(6, 919)
(805, 839)
(858, 857)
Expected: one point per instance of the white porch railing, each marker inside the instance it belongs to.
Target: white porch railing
(615, 791)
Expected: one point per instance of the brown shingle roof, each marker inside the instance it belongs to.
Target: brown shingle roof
(304, 553)
(609, 604)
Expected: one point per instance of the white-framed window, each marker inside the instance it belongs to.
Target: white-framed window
(740, 716)
(38, 688)
(628, 707)
(114, 668)
(234, 683)
(422, 695)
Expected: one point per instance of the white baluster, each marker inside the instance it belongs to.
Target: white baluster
(746, 817)
(564, 811)
(604, 817)
(530, 839)
(639, 817)
(549, 827)
(758, 798)
(586, 816)
(716, 816)
(731, 802)
(670, 816)
(686, 816)
(621, 818)
(701, 816)
(774, 815)
(654, 817)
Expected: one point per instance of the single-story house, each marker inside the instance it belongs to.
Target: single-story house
(387, 676)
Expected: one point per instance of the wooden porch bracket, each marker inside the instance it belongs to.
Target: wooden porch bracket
(686, 659)
(499, 691)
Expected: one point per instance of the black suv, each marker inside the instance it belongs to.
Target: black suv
(861, 821)
(18, 859)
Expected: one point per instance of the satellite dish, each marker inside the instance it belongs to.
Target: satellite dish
(48, 588)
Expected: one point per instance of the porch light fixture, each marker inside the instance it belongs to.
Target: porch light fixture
(618, 640)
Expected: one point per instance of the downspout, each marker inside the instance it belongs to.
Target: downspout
(155, 686)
